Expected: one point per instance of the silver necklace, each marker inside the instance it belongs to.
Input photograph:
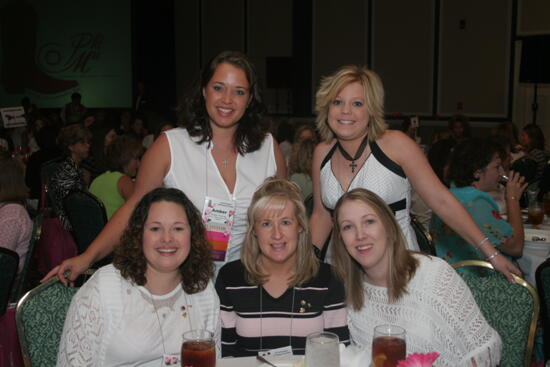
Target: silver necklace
(291, 317)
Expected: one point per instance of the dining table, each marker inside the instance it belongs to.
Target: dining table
(352, 356)
(536, 249)
(290, 361)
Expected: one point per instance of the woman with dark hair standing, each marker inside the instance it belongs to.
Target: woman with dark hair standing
(218, 159)
(134, 311)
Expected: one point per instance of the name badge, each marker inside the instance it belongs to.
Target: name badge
(278, 352)
(218, 216)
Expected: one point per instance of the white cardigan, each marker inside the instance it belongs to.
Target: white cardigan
(438, 313)
(111, 321)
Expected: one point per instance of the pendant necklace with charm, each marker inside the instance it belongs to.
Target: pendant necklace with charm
(185, 314)
(358, 154)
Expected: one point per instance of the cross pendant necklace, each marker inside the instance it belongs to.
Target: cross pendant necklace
(358, 154)
(225, 162)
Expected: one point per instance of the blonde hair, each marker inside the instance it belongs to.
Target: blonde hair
(332, 85)
(402, 265)
(273, 195)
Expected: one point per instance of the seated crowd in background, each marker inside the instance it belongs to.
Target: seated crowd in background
(102, 155)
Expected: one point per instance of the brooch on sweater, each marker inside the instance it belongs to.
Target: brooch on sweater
(303, 305)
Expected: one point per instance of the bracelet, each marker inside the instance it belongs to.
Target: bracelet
(491, 257)
(482, 242)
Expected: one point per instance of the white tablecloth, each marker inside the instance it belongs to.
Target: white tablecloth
(253, 362)
(535, 250)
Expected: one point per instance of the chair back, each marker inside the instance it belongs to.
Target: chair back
(511, 309)
(9, 261)
(542, 276)
(424, 239)
(87, 216)
(19, 287)
(40, 316)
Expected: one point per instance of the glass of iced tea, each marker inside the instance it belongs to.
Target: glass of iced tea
(388, 345)
(535, 215)
(198, 349)
(546, 204)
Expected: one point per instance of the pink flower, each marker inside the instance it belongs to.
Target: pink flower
(419, 360)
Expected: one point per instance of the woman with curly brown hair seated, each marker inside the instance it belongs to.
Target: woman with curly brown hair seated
(134, 311)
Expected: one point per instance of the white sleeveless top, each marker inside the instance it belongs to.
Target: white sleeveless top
(380, 175)
(194, 171)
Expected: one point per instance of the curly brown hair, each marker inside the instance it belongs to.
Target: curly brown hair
(196, 271)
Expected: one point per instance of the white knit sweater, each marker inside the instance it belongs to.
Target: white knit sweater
(111, 321)
(438, 313)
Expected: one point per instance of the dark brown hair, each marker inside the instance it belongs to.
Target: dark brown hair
(251, 129)
(196, 271)
(122, 149)
(468, 157)
(71, 135)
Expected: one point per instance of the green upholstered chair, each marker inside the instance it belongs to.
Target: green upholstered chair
(40, 317)
(9, 261)
(424, 239)
(87, 216)
(511, 309)
(542, 276)
(19, 287)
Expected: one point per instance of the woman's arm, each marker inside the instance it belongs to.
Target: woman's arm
(320, 222)
(125, 187)
(513, 246)
(408, 155)
(154, 166)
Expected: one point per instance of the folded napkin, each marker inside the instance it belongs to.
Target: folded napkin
(353, 356)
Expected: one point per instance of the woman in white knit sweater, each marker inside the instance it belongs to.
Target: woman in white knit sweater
(387, 284)
(135, 311)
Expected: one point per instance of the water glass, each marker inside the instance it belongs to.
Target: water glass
(322, 350)
(198, 349)
(388, 345)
